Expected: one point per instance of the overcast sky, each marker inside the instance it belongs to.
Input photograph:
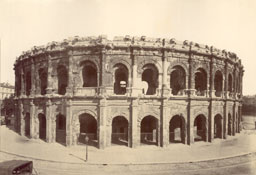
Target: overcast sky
(225, 24)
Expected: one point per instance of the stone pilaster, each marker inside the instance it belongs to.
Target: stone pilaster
(22, 81)
(210, 122)
(164, 127)
(49, 89)
(22, 119)
(69, 133)
(48, 121)
(134, 133)
(190, 125)
(69, 89)
(33, 78)
(225, 120)
(32, 119)
(102, 114)
(234, 119)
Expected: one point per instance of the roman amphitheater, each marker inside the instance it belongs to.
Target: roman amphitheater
(128, 91)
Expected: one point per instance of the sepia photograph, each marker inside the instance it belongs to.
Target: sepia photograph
(127, 87)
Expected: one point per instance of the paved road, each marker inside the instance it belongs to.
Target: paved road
(237, 165)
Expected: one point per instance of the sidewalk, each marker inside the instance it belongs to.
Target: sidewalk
(240, 144)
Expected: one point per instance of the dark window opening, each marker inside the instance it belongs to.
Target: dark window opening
(42, 126)
(149, 130)
(28, 83)
(200, 81)
(217, 126)
(218, 80)
(121, 79)
(200, 128)
(120, 131)
(150, 75)
(178, 80)
(177, 130)
(43, 81)
(89, 76)
(62, 80)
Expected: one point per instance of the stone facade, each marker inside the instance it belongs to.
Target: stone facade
(128, 91)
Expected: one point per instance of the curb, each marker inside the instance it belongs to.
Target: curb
(150, 163)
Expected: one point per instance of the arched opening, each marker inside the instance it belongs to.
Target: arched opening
(27, 124)
(89, 75)
(200, 128)
(28, 83)
(120, 131)
(178, 80)
(177, 129)
(62, 79)
(88, 127)
(42, 126)
(229, 124)
(230, 87)
(200, 82)
(121, 79)
(60, 128)
(43, 80)
(218, 81)
(218, 126)
(150, 75)
(149, 130)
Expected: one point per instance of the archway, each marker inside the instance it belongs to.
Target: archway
(150, 75)
(119, 131)
(178, 80)
(218, 81)
(149, 131)
(218, 126)
(42, 126)
(200, 128)
(27, 124)
(121, 79)
(62, 79)
(200, 81)
(89, 75)
(60, 128)
(177, 129)
(229, 124)
(88, 126)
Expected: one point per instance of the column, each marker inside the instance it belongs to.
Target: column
(165, 89)
(48, 121)
(32, 119)
(210, 131)
(134, 132)
(234, 119)
(102, 114)
(69, 133)
(22, 81)
(135, 89)
(225, 120)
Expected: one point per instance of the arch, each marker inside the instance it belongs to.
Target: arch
(149, 130)
(230, 83)
(119, 133)
(87, 126)
(89, 74)
(177, 64)
(218, 126)
(27, 124)
(177, 129)
(120, 78)
(42, 126)
(143, 63)
(218, 83)
(177, 80)
(61, 128)
(28, 83)
(200, 128)
(200, 81)
(150, 75)
(62, 75)
(229, 124)
(43, 80)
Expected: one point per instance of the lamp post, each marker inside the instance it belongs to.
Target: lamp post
(86, 142)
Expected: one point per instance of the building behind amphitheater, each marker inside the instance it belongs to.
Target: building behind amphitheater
(127, 91)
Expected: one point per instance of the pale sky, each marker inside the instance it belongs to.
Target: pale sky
(225, 24)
